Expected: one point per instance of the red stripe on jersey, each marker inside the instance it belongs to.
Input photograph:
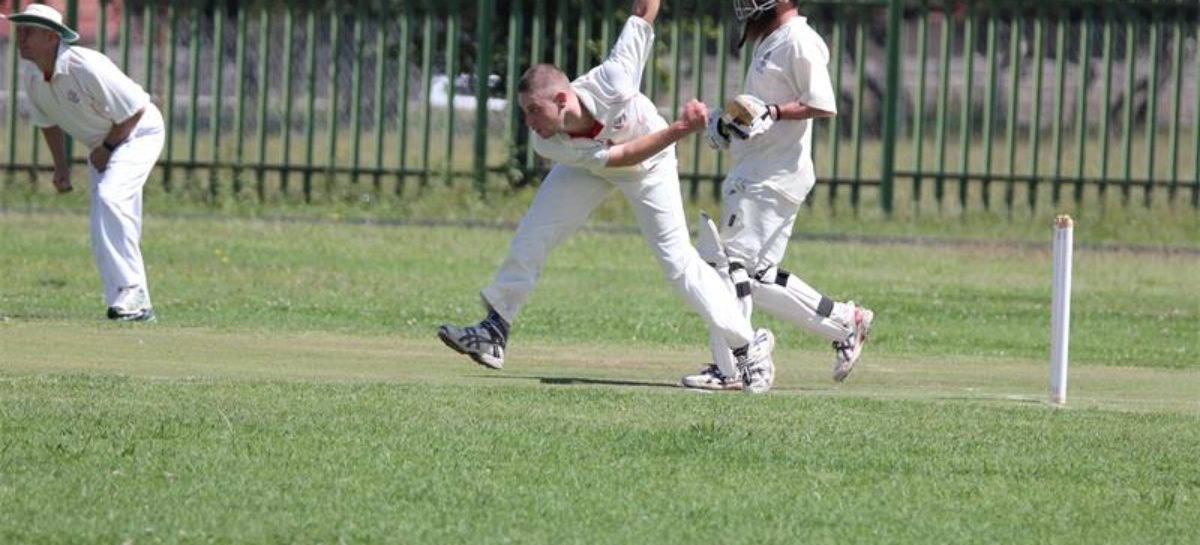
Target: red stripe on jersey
(591, 134)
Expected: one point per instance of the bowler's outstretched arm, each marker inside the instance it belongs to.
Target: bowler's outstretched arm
(692, 119)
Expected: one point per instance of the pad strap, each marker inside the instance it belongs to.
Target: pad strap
(825, 308)
(741, 280)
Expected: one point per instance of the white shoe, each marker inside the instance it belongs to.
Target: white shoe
(132, 305)
(757, 367)
(711, 378)
(848, 352)
(479, 342)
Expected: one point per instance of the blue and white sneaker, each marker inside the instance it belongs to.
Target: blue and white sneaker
(711, 378)
(481, 342)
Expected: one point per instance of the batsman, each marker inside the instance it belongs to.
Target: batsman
(604, 135)
(768, 129)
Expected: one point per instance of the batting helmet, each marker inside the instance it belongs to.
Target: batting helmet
(752, 9)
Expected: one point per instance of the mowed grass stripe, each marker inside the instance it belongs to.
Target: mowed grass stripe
(601, 289)
(175, 353)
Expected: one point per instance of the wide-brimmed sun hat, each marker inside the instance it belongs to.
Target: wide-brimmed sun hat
(41, 15)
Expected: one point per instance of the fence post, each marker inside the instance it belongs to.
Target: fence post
(11, 110)
(72, 22)
(890, 104)
(483, 67)
(72, 13)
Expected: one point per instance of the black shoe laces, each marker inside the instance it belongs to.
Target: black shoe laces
(473, 338)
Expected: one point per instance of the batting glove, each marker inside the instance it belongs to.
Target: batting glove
(748, 116)
(718, 131)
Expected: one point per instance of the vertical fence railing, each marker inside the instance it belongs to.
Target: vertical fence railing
(13, 85)
(1078, 77)
(1002, 101)
(483, 71)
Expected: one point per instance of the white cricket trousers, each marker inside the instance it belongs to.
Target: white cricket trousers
(756, 224)
(117, 206)
(563, 203)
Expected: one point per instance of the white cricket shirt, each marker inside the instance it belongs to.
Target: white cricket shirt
(611, 93)
(789, 65)
(86, 95)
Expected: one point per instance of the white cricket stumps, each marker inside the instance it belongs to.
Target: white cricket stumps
(1060, 313)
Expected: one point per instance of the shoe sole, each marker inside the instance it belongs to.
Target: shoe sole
(705, 388)
(474, 357)
(144, 317)
(757, 391)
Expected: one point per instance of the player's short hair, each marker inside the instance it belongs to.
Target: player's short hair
(542, 77)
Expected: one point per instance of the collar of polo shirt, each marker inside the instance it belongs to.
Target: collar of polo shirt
(61, 66)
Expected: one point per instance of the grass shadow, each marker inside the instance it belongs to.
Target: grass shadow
(569, 381)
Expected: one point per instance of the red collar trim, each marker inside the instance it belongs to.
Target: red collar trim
(589, 134)
(47, 77)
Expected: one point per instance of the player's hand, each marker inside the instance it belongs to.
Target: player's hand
(694, 116)
(100, 157)
(717, 133)
(747, 116)
(62, 179)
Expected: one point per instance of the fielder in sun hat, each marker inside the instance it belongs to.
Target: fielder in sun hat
(41, 15)
(79, 92)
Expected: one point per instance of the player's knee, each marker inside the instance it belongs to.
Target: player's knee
(676, 270)
(771, 275)
(112, 195)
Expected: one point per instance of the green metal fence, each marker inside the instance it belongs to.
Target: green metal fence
(946, 106)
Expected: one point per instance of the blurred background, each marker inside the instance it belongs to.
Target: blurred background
(982, 115)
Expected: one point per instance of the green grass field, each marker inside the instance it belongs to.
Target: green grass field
(294, 392)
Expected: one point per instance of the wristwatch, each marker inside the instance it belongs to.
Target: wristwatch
(110, 147)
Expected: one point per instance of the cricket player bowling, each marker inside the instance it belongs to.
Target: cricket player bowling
(604, 135)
